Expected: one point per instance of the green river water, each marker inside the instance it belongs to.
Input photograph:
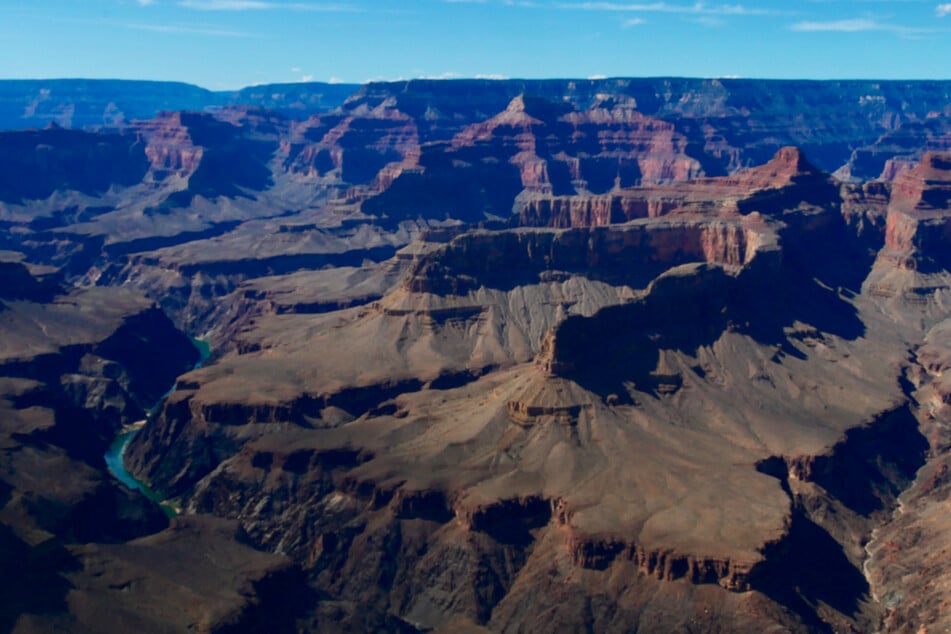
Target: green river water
(115, 455)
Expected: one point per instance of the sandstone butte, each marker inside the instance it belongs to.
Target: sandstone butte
(507, 356)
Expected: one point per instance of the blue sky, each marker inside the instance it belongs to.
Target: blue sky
(225, 44)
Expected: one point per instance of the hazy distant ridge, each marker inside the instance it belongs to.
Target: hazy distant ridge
(90, 103)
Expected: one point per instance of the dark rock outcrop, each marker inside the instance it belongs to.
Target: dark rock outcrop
(36, 163)
(602, 354)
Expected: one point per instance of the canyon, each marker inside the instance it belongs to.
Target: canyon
(487, 356)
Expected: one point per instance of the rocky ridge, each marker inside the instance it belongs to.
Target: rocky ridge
(98, 103)
(488, 402)
(75, 367)
(592, 352)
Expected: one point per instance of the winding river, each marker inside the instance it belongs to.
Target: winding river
(115, 455)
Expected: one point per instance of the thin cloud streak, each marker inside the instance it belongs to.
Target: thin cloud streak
(224, 5)
(942, 10)
(260, 5)
(858, 25)
(698, 8)
(185, 30)
(839, 26)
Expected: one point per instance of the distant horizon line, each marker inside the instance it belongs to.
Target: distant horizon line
(475, 79)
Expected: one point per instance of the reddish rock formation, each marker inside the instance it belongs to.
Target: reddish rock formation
(918, 224)
(637, 400)
(170, 149)
(784, 181)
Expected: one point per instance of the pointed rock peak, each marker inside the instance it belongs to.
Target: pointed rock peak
(787, 164)
(516, 113)
(792, 160)
(517, 104)
(538, 108)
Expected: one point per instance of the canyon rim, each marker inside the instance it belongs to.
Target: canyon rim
(610, 355)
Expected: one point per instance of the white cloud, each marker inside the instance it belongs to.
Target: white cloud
(295, 70)
(257, 5)
(185, 29)
(446, 75)
(841, 26)
(633, 22)
(224, 5)
(334, 80)
(491, 76)
(859, 25)
(597, 77)
(698, 8)
(307, 78)
(942, 10)
(144, 3)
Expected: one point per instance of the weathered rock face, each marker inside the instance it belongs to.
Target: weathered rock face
(410, 153)
(355, 149)
(901, 148)
(556, 408)
(918, 226)
(36, 163)
(783, 183)
(102, 351)
(218, 158)
(596, 354)
(73, 367)
(559, 150)
(170, 149)
(149, 584)
(725, 121)
(629, 254)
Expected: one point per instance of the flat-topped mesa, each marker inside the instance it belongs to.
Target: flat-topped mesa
(780, 185)
(632, 254)
(918, 226)
(599, 552)
(926, 188)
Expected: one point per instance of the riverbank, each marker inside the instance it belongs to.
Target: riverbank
(115, 455)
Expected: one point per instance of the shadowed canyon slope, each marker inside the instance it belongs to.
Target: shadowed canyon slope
(605, 355)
